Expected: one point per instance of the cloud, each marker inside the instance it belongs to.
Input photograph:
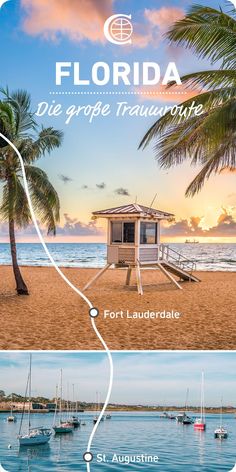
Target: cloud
(193, 227)
(101, 186)
(78, 20)
(64, 178)
(122, 191)
(74, 227)
(84, 187)
(164, 17)
(71, 227)
(84, 20)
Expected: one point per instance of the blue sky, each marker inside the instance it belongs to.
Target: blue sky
(106, 150)
(145, 378)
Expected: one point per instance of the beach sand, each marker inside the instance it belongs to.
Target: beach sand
(54, 317)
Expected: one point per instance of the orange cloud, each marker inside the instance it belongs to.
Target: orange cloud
(175, 94)
(164, 17)
(84, 19)
(78, 20)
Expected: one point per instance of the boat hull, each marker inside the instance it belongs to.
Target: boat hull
(200, 426)
(11, 419)
(63, 429)
(221, 434)
(34, 441)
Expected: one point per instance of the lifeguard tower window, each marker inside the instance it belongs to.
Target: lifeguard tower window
(148, 233)
(122, 232)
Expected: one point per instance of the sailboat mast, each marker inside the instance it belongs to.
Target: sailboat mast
(55, 412)
(30, 366)
(186, 401)
(202, 400)
(61, 394)
(221, 413)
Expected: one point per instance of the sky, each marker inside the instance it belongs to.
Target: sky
(99, 165)
(158, 378)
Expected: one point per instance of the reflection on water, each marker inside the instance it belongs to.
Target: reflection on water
(180, 448)
(207, 256)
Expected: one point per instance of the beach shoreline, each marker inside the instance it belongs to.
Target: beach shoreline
(53, 317)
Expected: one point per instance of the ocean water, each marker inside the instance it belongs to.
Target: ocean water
(206, 256)
(179, 448)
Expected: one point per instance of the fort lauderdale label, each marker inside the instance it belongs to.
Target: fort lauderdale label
(147, 315)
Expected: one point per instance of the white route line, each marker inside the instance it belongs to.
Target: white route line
(68, 282)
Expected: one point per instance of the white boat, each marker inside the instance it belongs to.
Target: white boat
(11, 418)
(63, 426)
(200, 423)
(75, 421)
(221, 432)
(34, 436)
(108, 416)
(187, 419)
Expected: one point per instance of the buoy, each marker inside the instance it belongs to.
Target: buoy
(234, 469)
(9, 446)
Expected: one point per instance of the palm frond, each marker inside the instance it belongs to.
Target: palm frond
(209, 32)
(208, 79)
(44, 196)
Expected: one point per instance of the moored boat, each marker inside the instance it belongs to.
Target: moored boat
(200, 423)
(186, 419)
(37, 435)
(221, 432)
(63, 426)
(11, 418)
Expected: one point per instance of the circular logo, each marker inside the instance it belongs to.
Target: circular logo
(118, 29)
(121, 29)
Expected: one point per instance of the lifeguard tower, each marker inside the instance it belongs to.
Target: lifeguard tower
(133, 241)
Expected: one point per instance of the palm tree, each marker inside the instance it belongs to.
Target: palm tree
(17, 123)
(208, 140)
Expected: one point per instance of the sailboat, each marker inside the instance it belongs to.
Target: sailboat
(200, 423)
(186, 419)
(34, 436)
(63, 426)
(221, 433)
(11, 418)
(74, 418)
(95, 418)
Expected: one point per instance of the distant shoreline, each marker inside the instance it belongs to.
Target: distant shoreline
(152, 409)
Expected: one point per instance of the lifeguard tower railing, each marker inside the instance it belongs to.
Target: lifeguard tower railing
(166, 253)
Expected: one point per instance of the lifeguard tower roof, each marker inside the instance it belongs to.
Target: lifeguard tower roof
(136, 210)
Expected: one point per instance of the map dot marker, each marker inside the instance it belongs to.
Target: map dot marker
(93, 312)
(88, 456)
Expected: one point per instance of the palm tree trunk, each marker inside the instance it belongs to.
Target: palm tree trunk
(20, 284)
